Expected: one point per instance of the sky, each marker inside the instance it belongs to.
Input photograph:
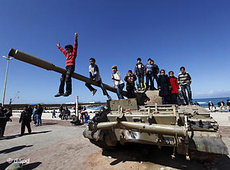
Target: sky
(174, 33)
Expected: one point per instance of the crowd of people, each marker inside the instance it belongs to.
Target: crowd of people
(168, 85)
(27, 115)
(221, 105)
(64, 113)
(30, 114)
(37, 114)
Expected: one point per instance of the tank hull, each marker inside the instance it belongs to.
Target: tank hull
(189, 130)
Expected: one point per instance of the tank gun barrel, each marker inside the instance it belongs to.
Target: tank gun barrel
(154, 128)
(19, 55)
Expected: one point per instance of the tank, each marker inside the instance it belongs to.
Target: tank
(189, 130)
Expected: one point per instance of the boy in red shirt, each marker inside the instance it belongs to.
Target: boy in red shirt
(174, 89)
(70, 52)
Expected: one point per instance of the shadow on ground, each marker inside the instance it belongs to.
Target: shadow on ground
(13, 149)
(4, 165)
(25, 167)
(31, 166)
(151, 154)
(48, 123)
(18, 135)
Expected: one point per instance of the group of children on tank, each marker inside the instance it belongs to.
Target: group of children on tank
(167, 85)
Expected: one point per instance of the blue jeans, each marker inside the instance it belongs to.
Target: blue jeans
(141, 81)
(187, 88)
(119, 91)
(66, 77)
(39, 119)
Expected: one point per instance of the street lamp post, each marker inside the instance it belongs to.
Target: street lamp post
(7, 66)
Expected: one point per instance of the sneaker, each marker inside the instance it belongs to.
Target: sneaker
(94, 91)
(66, 94)
(58, 95)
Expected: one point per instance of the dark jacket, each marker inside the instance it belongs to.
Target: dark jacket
(130, 79)
(40, 110)
(164, 85)
(2, 112)
(30, 110)
(25, 117)
(8, 114)
(219, 104)
(139, 69)
(228, 103)
(155, 69)
(210, 104)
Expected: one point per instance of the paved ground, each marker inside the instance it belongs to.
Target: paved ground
(59, 145)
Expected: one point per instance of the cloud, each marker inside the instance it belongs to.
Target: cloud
(212, 94)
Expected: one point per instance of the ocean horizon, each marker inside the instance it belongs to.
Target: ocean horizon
(204, 101)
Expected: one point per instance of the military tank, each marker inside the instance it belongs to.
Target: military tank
(189, 130)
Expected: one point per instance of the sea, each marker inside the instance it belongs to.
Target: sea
(204, 102)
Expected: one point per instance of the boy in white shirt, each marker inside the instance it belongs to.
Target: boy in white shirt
(117, 80)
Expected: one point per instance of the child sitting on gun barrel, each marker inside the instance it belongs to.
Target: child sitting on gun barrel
(70, 53)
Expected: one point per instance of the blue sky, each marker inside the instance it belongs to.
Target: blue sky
(192, 33)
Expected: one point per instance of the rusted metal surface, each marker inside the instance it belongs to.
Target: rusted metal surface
(130, 104)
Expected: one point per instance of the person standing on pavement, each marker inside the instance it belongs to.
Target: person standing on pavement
(61, 108)
(39, 115)
(94, 75)
(184, 80)
(54, 114)
(25, 120)
(140, 73)
(117, 80)
(34, 114)
(3, 120)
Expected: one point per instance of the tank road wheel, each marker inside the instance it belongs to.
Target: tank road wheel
(109, 141)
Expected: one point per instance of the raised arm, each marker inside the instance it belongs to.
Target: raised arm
(61, 49)
(75, 45)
